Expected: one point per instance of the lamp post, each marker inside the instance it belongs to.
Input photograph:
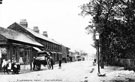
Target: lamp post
(97, 40)
(98, 53)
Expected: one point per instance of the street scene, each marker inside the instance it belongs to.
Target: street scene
(69, 72)
(67, 40)
(82, 71)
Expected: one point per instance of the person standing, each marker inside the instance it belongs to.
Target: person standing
(5, 66)
(34, 63)
(9, 65)
(48, 62)
(60, 62)
(52, 62)
(94, 62)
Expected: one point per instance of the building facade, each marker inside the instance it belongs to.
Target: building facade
(50, 45)
(20, 44)
(15, 46)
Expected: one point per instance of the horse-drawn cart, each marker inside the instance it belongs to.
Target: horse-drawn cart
(41, 59)
(38, 61)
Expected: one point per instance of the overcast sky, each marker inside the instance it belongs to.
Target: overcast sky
(58, 17)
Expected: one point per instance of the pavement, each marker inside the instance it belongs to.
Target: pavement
(112, 74)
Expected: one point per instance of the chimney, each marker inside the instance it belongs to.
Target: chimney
(24, 22)
(45, 33)
(35, 29)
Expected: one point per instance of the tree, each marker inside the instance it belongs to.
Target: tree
(114, 20)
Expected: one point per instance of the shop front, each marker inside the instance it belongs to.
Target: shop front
(16, 52)
(17, 47)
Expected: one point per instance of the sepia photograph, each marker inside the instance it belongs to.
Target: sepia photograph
(67, 40)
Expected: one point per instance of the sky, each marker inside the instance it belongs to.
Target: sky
(60, 18)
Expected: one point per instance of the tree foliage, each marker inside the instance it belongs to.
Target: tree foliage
(114, 20)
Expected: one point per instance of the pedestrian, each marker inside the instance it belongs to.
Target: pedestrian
(52, 62)
(60, 62)
(93, 68)
(94, 62)
(5, 66)
(15, 67)
(34, 61)
(9, 65)
(48, 62)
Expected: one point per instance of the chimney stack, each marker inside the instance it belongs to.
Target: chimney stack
(45, 33)
(24, 23)
(35, 29)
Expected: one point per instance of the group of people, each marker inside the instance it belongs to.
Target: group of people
(9, 66)
(51, 62)
(14, 67)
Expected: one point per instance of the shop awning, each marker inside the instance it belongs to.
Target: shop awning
(37, 49)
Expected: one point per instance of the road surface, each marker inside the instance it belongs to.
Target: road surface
(70, 72)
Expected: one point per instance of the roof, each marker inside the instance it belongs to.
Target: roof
(14, 35)
(65, 47)
(39, 35)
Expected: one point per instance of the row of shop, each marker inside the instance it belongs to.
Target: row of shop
(20, 44)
